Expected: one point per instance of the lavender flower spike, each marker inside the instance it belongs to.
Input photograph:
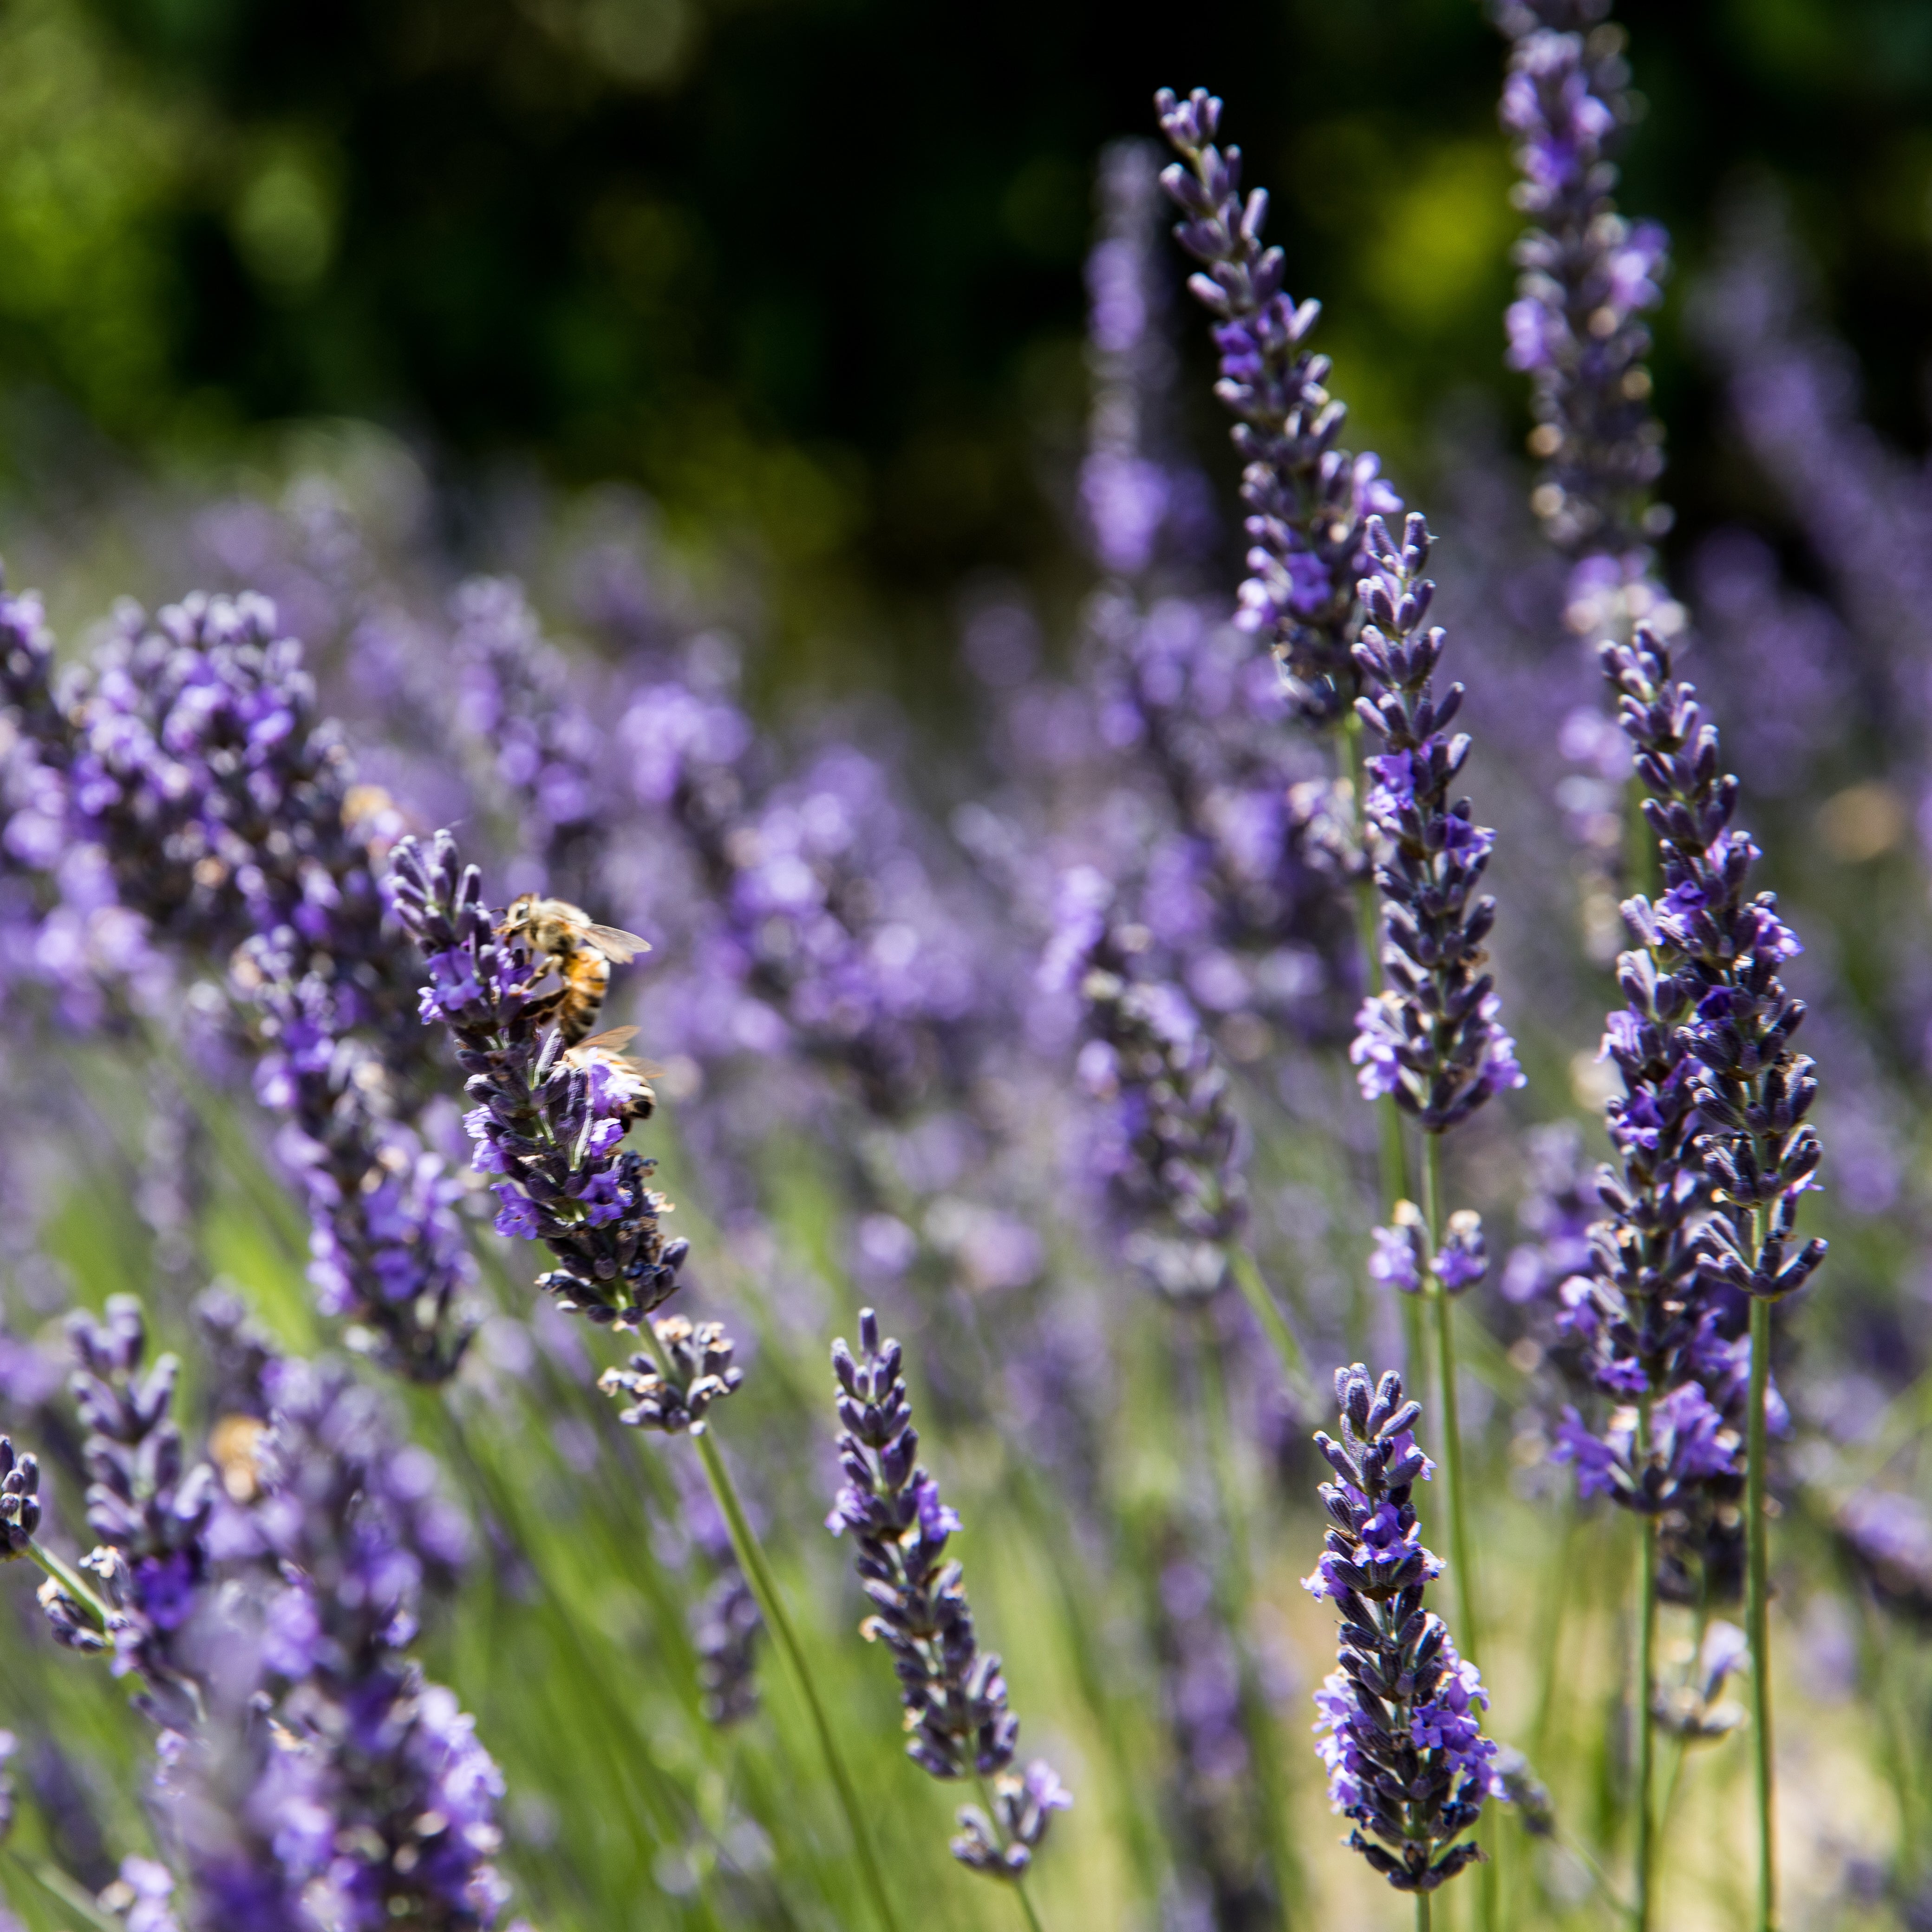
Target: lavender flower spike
(1752, 1090)
(1400, 1731)
(1170, 1154)
(1433, 1038)
(954, 1697)
(550, 1119)
(1308, 500)
(151, 1512)
(1587, 277)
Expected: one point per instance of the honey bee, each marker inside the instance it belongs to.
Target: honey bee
(234, 1446)
(577, 953)
(627, 1095)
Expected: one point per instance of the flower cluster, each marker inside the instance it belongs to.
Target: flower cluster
(1402, 1259)
(401, 1823)
(226, 806)
(180, 787)
(1308, 500)
(1751, 1090)
(1168, 1156)
(1245, 892)
(1713, 1148)
(1136, 504)
(550, 1121)
(149, 1511)
(725, 1622)
(387, 1245)
(1215, 1795)
(954, 1696)
(539, 748)
(1587, 277)
(19, 1501)
(1888, 1538)
(671, 1393)
(1433, 1038)
(1401, 1727)
(64, 924)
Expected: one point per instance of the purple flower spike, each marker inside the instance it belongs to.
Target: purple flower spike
(1168, 1155)
(1433, 1039)
(150, 1513)
(1587, 277)
(551, 1118)
(954, 1696)
(1400, 1728)
(1710, 1132)
(1309, 500)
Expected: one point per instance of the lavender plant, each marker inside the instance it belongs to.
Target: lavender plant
(551, 1120)
(1751, 1089)
(181, 793)
(1401, 1724)
(954, 1696)
(1309, 500)
(150, 1511)
(1587, 277)
(401, 1821)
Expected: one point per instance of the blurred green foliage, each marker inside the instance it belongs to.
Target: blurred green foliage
(810, 269)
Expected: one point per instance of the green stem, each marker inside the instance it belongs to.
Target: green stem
(764, 1586)
(1254, 1291)
(1646, 1683)
(74, 1896)
(1019, 1882)
(70, 1581)
(1757, 1536)
(1452, 1430)
(1470, 1630)
(1257, 1720)
(1422, 1911)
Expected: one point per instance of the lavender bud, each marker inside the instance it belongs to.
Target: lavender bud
(701, 1373)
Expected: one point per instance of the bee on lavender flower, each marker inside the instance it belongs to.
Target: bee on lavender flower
(568, 946)
(625, 1082)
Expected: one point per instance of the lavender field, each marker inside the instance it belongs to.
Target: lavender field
(1260, 1262)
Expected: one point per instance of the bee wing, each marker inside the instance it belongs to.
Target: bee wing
(616, 945)
(617, 1037)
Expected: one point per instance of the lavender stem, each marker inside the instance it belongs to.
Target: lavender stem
(1247, 1274)
(1646, 1681)
(1019, 1884)
(1452, 1431)
(751, 1556)
(70, 1581)
(1256, 1721)
(1422, 1911)
(1757, 1534)
(1452, 1455)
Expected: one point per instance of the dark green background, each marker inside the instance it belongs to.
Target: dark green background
(810, 269)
